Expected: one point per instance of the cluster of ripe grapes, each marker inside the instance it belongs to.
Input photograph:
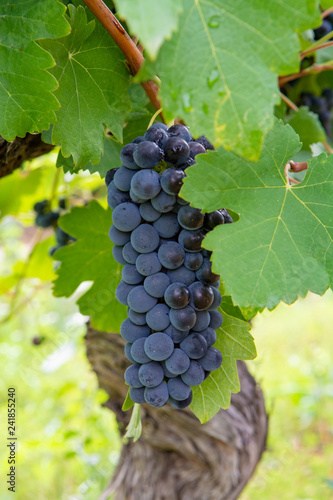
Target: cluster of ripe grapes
(322, 106)
(49, 218)
(167, 280)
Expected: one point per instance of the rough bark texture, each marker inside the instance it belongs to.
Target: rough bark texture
(176, 457)
(13, 154)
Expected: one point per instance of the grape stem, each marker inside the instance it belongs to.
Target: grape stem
(297, 166)
(289, 103)
(288, 168)
(315, 68)
(313, 49)
(293, 106)
(132, 53)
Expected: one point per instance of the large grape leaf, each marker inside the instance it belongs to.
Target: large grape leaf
(235, 342)
(90, 259)
(219, 71)
(281, 247)
(151, 21)
(92, 92)
(26, 100)
(112, 148)
(110, 159)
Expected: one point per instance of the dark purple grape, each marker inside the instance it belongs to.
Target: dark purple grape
(176, 150)
(181, 131)
(196, 148)
(156, 134)
(126, 156)
(191, 240)
(202, 296)
(213, 219)
(205, 142)
(147, 154)
(177, 295)
(190, 218)
(109, 176)
(172, 180)
(205, 273)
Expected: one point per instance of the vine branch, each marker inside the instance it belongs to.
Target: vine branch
(293, 106)
(132, 53)
(313, 49)
(315, 68)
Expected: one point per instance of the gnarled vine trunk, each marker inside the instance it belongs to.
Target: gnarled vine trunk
(176, 457)
(14, 153)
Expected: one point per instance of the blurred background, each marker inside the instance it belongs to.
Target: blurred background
(68, 443)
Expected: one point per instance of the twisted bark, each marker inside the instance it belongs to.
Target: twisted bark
(176, 457)
(13, 154)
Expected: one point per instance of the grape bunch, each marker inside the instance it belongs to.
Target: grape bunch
(322, 106)
(49, 218)
(167, 280)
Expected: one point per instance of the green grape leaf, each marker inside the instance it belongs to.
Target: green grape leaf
(152, 22)
(110, 159)
(308, 127)
(112, 148)
(128, 403)
(92, 92)
(26, 100)
(281, 247)
(326, 4)
(219, 71)
(90, 259)
(235, 342)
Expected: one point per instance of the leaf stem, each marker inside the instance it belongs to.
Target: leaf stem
(313, 49)
(315, 68)
(289, 102)
(297, 166)
(133, 55)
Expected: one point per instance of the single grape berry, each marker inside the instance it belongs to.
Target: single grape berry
(147, 154)
(181, 131)
(172, 180)
(177, 295)
(145, 184)
(176, 150)
(126, 156)
(190, 218)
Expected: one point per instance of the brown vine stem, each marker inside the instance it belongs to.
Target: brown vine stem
(318, 47)
(297, 166)
(133, 55)
(288, 102)
(287, 168)
(293, 106)
(327, 12)
(315, 68)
